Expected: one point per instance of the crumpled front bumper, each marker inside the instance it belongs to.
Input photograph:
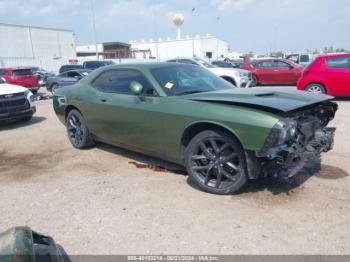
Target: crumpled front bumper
(284, 155)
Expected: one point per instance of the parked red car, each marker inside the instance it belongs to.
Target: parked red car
(329, 74)
(20, 76)
(274, 71)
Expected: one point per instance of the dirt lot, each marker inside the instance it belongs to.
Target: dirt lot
(96, 202)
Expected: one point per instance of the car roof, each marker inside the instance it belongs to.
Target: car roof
(77, 70)
(270, 59)
(335, 55)
(16, 68)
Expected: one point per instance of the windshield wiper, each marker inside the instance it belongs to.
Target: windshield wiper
(190, 92)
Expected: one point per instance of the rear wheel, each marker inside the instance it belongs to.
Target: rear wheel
(215, 161)
(77, 131)
(316, 88)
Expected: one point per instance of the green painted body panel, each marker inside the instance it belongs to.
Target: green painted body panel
(157, 124)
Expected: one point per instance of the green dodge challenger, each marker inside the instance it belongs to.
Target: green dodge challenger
(223, 135)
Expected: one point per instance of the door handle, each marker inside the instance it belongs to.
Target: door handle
(103, 100)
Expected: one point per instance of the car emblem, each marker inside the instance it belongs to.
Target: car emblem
(9, 96)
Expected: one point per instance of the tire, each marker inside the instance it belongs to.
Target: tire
(316, 88)
(77, 131)
(216, 162)
(254, 81)
(53, 88)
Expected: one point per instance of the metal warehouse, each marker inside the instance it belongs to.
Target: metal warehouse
(48, 48)
(207, 46)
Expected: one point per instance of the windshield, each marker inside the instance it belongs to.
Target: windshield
(187, 79)
(204, 63)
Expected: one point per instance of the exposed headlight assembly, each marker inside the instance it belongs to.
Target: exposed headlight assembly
(285, 130)
(282, 132)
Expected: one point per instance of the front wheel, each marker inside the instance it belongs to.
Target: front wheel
(77, 131)
(54, 88)
(215, 161)
(254, 81)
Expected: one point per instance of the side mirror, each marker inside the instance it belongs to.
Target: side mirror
(291, 67)
(78, 77)
(136, 88)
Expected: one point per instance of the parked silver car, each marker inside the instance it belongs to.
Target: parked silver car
(66, 78)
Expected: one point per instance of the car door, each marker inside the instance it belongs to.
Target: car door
(69, 78)
(116, 115)
(265, 72)
(285, 73)
(338, 75)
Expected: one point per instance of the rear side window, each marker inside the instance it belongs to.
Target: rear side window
(3, 72)
(22, 72)
(339, 62)
(118, 81)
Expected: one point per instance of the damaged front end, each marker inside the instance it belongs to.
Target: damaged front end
(300, 136)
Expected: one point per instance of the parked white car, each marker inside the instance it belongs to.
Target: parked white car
(16, 102)
(238, 77)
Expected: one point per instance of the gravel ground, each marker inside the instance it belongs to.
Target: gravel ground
(97, 202)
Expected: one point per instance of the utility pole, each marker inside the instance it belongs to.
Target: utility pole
(155, 29)
(94, 26)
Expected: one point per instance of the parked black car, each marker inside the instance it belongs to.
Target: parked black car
(66, 78)
(92, 65)
(66, 68)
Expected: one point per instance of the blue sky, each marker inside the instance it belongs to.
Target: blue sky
(257, 25)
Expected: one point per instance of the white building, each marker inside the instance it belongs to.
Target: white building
(48, 48)
(199, 46)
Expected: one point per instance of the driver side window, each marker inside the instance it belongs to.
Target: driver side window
(281, 64)
(73, 74)
(118, 81)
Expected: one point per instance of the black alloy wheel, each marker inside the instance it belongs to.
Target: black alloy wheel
(216, 162)
(77, 131)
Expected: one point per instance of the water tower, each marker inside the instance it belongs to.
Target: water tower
(178, 20)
